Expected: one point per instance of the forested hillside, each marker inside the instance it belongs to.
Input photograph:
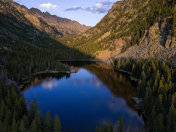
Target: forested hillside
(156, 86)
(26, 48)
(129, 23)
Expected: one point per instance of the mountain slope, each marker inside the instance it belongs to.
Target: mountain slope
(51, 24)
(21, 13)
(20, 28)
(128, 23)
(66, 26)
(28, 45)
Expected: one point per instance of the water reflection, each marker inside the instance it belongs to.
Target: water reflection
(117, 83)
(50, 83)
(95, 95)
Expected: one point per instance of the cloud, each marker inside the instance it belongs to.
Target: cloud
(48, 6)
(100, 7)
(74, 8)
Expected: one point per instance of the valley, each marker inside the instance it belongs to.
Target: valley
(84, 78)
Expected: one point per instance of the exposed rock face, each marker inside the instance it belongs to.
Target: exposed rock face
(115, 33)
(119, 43)
(66, 26)
(149, 50)
(157, 42)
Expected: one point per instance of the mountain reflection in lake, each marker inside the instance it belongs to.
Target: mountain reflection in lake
(93, 96)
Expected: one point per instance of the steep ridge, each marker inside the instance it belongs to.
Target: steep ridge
(131, 23)
(53, 25)
(64, 25)
(21, 13)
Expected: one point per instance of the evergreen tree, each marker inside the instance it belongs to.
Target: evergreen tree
(120, 124)
(47, 122)
(159, 123)
(23, 105)
(56, 124)
(2, 110)
(26, 121)
(34, 127)
(22, 126)
(98, 129)
(108, 128)
(14, 125)
(38, 117)
(32, 110)
(171, 119)
(1, 126)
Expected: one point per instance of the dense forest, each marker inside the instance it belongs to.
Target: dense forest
(16, 117)
(156, 86)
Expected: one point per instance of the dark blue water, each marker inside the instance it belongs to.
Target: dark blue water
(86, 100)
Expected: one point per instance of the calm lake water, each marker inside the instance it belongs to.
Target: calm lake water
(94, 96)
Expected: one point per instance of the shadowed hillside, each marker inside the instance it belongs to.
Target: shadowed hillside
(26, 48)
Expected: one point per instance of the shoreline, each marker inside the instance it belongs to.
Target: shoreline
(30, 78)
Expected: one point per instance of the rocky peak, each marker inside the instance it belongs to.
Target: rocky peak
(66, 26)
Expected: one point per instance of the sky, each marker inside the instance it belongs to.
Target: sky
(87, 12)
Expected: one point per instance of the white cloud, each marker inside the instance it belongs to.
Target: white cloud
(75, 6)
(48, 6)
(100, 7)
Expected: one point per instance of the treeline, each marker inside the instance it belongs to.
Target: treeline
(110, 128)
(19, 62)
(22, 59)
(157, 88)
(15, 117)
